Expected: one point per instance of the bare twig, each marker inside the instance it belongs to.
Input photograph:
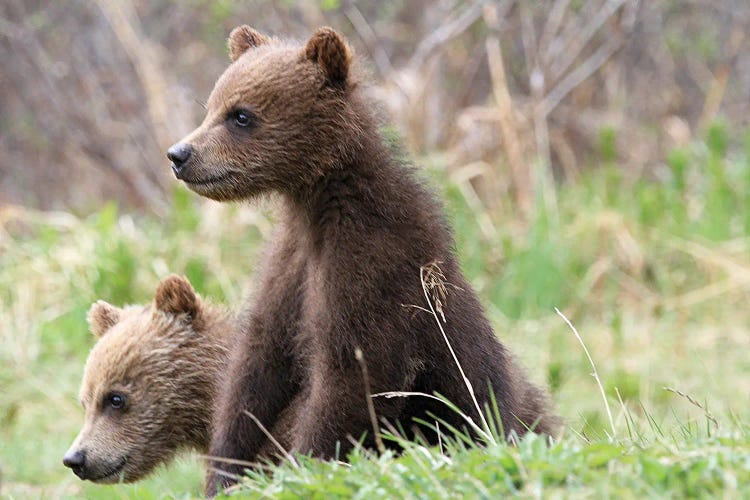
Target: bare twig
(446, 33)
(718, 86)
(370, 406)
(505, 113)
(370, 39)
(224, 460)
(223, 473)
(124, 22)
(270, 437)
(542, 178)
(462, 177)
(551, 27)
(580, 74)
(572, 48)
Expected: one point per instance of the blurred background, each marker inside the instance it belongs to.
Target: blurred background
(593, 155)
(97, 90)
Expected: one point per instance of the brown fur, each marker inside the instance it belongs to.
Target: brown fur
(165, 359)
(242, 38)
(344, 269)
(331, 53)
(175, 295)
(101, 317)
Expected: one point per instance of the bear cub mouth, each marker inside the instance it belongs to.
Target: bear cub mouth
(207, 180)
(110, 471)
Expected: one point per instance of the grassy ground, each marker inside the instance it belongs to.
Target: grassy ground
(654, 274)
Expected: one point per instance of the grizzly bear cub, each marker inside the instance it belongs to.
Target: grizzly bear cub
(357, 234)
(149, 383)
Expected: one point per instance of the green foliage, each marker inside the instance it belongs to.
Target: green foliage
(330, 4)
(704, 467)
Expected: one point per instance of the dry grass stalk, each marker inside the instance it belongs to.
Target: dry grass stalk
(718, 85)
(694, 402)
(594, 374)
(434, 284)
(370, 406)
(408, 394)
(457, 24)
(370, 39)
(273, 440)
(738, 272)
(124, 22)
(505, 113)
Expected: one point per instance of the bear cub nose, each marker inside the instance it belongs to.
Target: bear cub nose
(179, 154)
(76, 460)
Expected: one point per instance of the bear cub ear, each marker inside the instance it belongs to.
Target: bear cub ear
(329, 50)
(242, 38)
(101, 317)
(175, 295)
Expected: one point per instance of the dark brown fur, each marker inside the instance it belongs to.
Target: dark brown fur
(344, 269)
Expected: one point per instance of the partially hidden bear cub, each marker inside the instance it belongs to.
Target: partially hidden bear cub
(357, 234)
(149, 383)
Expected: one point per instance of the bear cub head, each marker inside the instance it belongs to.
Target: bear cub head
(149, 383)
(278, 118)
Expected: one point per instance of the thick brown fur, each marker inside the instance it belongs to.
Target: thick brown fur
(242, 38)
(343, 272)
(165, 359)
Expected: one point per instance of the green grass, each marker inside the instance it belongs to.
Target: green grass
(654, 272)
(692, 468)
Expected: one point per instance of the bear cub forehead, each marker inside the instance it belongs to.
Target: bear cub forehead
(264, 68)
(128, 337)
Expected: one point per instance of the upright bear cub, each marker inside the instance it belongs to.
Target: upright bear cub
(149, 383)
(357, 232)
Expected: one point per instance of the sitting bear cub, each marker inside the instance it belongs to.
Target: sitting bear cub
(357, 233)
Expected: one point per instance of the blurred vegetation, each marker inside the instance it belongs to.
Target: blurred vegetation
(519, 92)
(593, 156)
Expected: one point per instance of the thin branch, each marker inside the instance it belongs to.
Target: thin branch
(446, 33)
(580, 74)
(575, 45)
(551, 27)
(124, 22)
(370, 39)
(270, 437)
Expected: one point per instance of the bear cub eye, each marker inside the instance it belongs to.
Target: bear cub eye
(241, 118)
(114, 400)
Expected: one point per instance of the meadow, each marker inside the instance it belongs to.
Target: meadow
(653, 271)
